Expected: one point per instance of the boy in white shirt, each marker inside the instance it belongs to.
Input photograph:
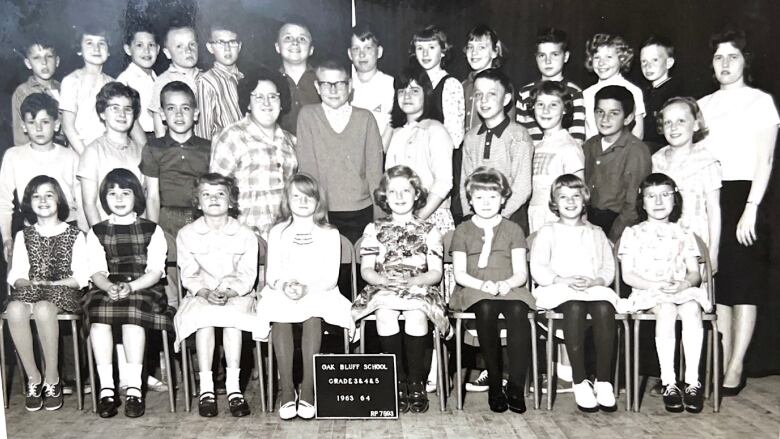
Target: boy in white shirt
(373, 89)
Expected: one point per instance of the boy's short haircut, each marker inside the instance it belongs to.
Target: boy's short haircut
(618, 93)
(364, 32)
(43, 44)
(139, 26)
(432, 33)
(178, 25)
(125, 179)
(624, 51)
(738, 39)
(37, 102)
(660, 41)
(498, 76)
(553, 88)
(63, 209)
(178, 87)
(485, 178)
(573, 182)
(332, 64)
(117, 89)
(247, 85)
(552, 35)
(296, 21)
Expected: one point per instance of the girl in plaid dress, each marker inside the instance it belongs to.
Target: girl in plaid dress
(46, 274)
(127, 259)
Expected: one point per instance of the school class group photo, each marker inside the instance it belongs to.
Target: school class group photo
(225, 224)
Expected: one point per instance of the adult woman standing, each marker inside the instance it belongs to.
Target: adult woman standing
(257, 152)
(743, 125)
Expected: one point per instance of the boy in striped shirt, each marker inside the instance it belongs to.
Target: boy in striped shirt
(551, 56)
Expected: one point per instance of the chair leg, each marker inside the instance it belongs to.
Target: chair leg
(185, 375)
(447, 379)
(439, 369)
(346, 341)
(77, 366)
(616, 379)
(636, 365)
(92, 380)
(169, 372)
(363, 337)
(270, 374)
(716, 366)
(708, 365)
(459, 363)
(550, 370)
(627, 357)
(535, 365)
(4, 379)
(260, 374)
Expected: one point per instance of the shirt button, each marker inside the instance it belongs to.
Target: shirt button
(598, 162)
(182, 157)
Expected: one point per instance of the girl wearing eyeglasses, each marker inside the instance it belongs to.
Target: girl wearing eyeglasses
(660, 262)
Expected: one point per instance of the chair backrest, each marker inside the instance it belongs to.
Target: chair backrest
(446, 241)
(348, 257)
(704, 257)
(616, 285)
(529, 243)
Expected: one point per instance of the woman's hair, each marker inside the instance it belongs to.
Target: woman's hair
(247, 85)
(117, 89)
(499, 76)
(308, 186)
(553, 88)
(416, 74)
(694, 109)
(573, 182)
(482, 31)
(738, 39)
(487, 179)
(124, 179)
(624, 51)
(659, 179)
(400, 171)
(431, 33)
(215, 179)
(63, 209)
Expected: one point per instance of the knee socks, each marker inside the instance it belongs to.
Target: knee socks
(692, 341)
(393, 344)
(417, 362)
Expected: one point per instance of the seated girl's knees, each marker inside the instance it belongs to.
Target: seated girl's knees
(45, 309)
(18, 310)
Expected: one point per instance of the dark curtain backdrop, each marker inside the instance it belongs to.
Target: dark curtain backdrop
(687, 23)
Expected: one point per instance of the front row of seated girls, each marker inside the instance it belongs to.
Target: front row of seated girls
(571, 261)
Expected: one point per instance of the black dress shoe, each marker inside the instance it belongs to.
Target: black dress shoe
(238, 405)
(403, 397)
(515, 398)
(207, 405)
(107, 405)
(734, 391)
(673, 399)
(135, 406)
(497, 402)
(418, 397)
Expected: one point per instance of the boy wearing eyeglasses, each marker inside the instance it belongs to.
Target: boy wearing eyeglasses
(181, 47)
(295, 45)
(218, 88)
(340, 146)
(616, 162)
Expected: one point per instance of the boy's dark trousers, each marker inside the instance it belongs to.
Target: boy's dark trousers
(603, 218)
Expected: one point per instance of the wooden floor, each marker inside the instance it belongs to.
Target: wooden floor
(755, 413)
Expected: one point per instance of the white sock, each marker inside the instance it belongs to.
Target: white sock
(133, 379)
(231, 381)
(665, 349)
(206, 382)
(121, 364)
(692, 340)
(106, 375)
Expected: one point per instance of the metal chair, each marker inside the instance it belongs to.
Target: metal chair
(185, 356)
(439, 348)
(461, 316)
(347, 257)
(712, 339)
(74, 320)
(552, 316)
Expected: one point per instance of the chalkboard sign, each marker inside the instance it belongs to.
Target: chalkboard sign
(355, 386)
